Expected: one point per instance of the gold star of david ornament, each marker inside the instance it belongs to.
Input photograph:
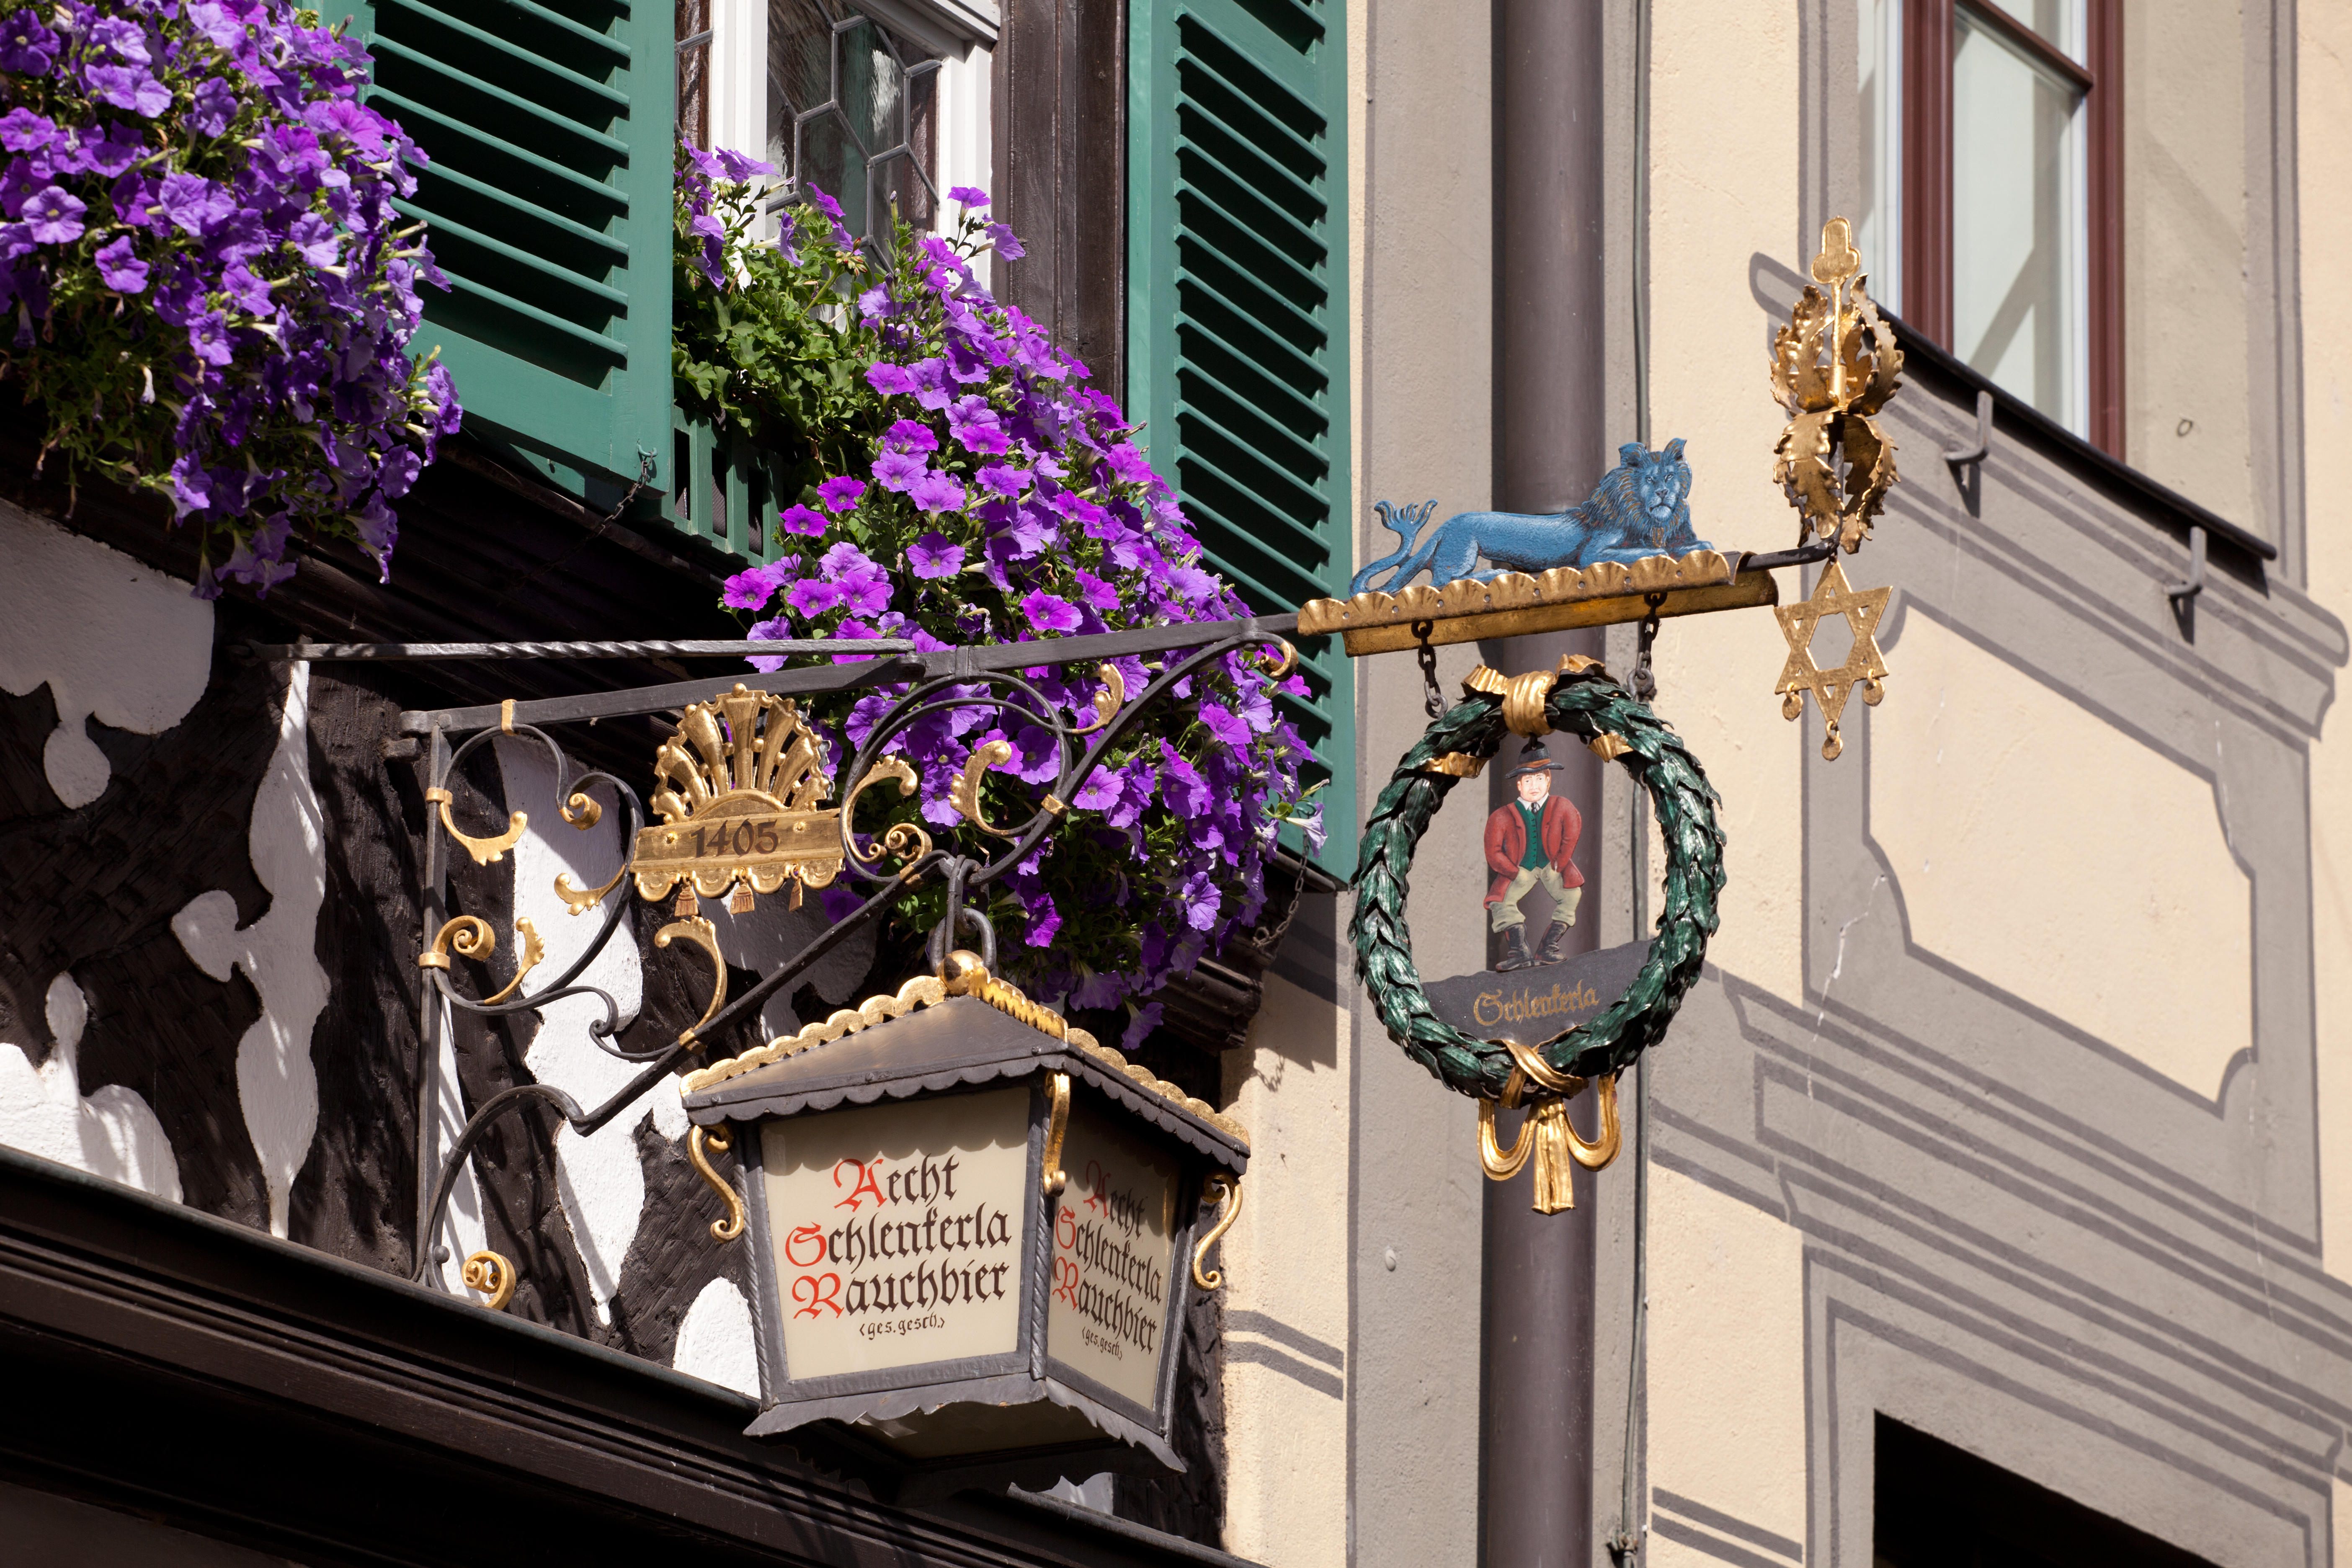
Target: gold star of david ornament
(1864, 667)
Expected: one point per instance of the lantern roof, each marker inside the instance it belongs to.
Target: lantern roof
(941, 1033)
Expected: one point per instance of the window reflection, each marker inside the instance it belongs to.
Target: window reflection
(2018, 215)
(853, 111)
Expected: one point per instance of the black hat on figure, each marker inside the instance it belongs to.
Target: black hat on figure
(1534, 759)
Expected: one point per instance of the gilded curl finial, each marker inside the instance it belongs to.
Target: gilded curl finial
(1834, 367)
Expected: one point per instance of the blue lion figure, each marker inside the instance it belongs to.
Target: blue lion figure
(1640, 508)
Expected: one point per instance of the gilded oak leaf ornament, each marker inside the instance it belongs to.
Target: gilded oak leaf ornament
(1834, 367)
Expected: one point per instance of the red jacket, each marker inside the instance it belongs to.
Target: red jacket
(1507, 843)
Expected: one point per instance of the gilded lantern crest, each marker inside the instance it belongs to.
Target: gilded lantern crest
(736, 790)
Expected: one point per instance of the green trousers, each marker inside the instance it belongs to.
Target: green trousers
(1504, 914)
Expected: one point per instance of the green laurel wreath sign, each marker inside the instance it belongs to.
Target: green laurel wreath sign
(1586, 703)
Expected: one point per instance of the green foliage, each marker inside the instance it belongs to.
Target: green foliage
(777, 355)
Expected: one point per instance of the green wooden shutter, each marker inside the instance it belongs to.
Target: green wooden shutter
(549, 196)
(1237, 312)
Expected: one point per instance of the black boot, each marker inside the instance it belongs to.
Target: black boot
(1514, 949)
(1549, 952)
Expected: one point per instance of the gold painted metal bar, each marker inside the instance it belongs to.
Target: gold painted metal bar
(1747, 590)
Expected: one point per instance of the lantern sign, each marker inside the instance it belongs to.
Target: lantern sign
(974, 1226)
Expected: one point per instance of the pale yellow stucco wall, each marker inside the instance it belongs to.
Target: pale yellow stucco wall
(1286, 1289)
(1723, 182)
(2101, 891)
(2186, 368)
(1727, 1361)
(2324, 166)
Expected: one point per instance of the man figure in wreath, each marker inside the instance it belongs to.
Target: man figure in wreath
(1528, 845)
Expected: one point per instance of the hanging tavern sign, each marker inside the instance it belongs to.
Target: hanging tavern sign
(1534, 1028)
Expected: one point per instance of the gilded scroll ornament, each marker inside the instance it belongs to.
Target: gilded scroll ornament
(737, 791)
(1214, 1189)
(964, 794)
(492, 1275)
(1109, 701)
(905, 839)
(704, 936)
(533, 949)
(1834, 367)
(1865, 667)
(485, 851)
(698, 1143)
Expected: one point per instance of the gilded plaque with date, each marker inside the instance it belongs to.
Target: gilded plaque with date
(737, 792)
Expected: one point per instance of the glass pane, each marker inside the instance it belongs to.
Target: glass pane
(2058, 21)
(851, 110)
(1879, 223)
(2018, 220)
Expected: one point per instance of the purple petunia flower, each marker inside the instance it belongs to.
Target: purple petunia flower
(22, 130)
(251, 293)
(315, 239)
(208, 338)
(1101, 594)
(968, 195)
(115, 152)
(975, 424)
(1221, 722)
(215, 107)
(797, 518)
(120, 38)
(194, 202)
(1004, 478)
(739, 167)
(752, 589)
(27, 47)
(889, 380)
(936, 492)
(218, 22)
(52, 216)
(840, 494)
(119, 268)
(897, 470)
(813, 596)
(911, 436)
(933, 556)
(1128, 465)
(1050, 614)
(1005, 244)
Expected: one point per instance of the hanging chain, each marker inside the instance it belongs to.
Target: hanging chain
(1433, 696)
(1646, 686)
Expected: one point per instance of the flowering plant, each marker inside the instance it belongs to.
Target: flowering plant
(209, 299)
(1005, 500)
(757, 343)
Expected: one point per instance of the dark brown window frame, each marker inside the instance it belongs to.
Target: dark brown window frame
(1926, 174)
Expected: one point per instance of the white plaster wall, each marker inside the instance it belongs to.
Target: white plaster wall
(277, 1085)
(1727, 1361)
(2185, 325)
(715, 1342)
(112, 1133)
(111, 639)
(599, 1179)
(2104, 892)
(2323, 165)
(1723, 184)
(1286, 1289)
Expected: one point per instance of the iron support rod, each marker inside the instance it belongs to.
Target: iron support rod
(306, 651)
(862, 671)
